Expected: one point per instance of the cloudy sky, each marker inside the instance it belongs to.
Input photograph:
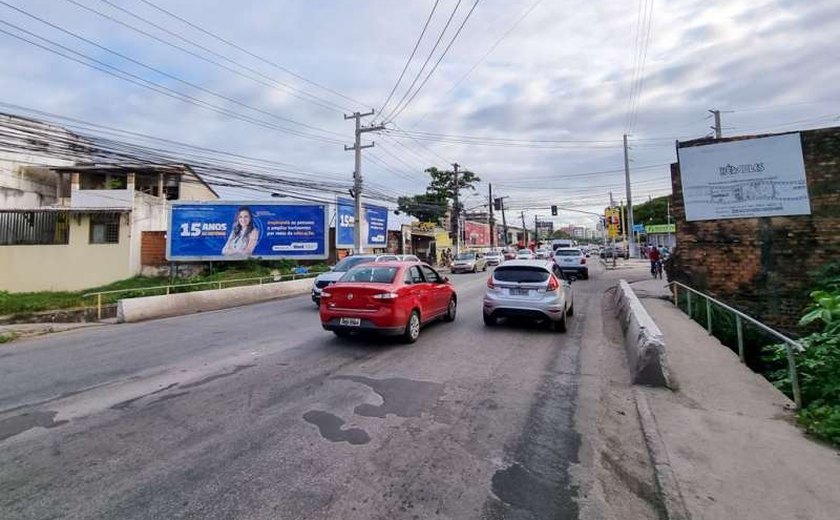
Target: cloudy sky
(533, 96)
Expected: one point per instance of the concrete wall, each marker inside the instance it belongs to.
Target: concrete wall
(643, 341)
(153, 307)
(193, 189)
(766, 266)
(74, 266)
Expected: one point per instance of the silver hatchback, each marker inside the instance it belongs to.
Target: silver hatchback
(533, 289)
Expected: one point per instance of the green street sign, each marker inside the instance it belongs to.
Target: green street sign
(661, 228)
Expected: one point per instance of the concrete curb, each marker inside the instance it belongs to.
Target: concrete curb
(153, 307)
(644, 342)
(667, 486)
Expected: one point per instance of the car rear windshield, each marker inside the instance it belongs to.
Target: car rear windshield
(520, 274)
(370, 274)
(567, 252)
(465, 256)
(524, 251)
(350, 261)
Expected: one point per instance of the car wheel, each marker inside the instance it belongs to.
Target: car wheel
(571, 310)
(475, 268)
(412, 328)
(451, 310)
(586, 275)
(342, 333)
(485, 267)
(489, 320)
(559, 325)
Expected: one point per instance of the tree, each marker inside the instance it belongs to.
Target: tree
(425, 207)
(443, 182)
(653, 212)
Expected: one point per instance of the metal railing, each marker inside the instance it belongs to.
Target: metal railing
(740, 317)
(211, 285)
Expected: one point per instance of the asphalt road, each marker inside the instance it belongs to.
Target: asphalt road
(257, 413)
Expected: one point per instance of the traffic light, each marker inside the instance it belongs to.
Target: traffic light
(497, 204)
(553, 211)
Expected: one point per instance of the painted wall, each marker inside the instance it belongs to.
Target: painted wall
(74, 266)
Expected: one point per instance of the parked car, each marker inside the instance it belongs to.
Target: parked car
(494, 257)
(469, 262)
(338, 270)
(394, 298)
(532, 289)
(524, 254)
(572, 260)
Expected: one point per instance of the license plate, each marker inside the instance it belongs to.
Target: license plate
(350, 322)
(518, 292)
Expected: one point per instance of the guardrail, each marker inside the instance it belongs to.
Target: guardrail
(216, 284)
(740, 317)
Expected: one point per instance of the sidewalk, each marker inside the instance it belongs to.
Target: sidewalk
(729, 434)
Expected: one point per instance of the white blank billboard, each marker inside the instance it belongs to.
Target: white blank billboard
(763, 177)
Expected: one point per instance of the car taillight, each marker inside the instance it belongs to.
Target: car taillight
(490, 284)
(385, 296)
(582, 261)
(553, 284)
(325, 294)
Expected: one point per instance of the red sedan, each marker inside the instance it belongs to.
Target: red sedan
(394, 298)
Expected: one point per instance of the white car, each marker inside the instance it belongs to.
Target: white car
(338, 270)
(572, 260)
(524, 254)
(494, 258)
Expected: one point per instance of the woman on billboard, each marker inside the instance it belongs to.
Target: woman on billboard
(244, 236)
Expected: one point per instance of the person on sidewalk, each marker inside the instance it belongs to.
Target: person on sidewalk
(654, 257)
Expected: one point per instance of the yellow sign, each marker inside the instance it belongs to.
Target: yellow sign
(613, 219)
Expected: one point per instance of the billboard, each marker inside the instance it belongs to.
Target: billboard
(374, 225)
(762, 177)
(476, 233)
(612, 216)
(240, 230)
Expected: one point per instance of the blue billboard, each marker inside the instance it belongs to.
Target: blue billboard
(374, 225)
(240, 230)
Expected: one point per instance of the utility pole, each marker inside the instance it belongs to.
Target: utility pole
(524, 229)
(716, 128)
(536, 232)
(504, 221)
(632, 241)
(456, 224)
(357, 173)
(492, 222)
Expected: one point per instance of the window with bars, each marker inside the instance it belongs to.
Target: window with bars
(104, 229)
(34, 228)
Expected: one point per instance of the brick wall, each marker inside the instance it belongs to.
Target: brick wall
(764, 266)
(153, 248)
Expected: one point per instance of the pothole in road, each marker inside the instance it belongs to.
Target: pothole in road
(329, 426)
(26, 421)
(401, 397)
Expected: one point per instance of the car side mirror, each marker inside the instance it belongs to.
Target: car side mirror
(445, 279)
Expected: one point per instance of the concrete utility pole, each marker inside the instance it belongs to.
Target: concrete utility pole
(716, 128)
(629, 232)
(536, 232)
(357, 174)
(492, 222)
(524, 229)
(504, 220)
(456, 226)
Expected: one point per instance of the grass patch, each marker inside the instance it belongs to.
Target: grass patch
(6, 337)
(18, 303)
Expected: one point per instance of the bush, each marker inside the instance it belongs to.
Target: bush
(818, 367)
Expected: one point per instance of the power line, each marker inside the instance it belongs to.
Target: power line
(151, 85)
(410, 57)
(253, 55)
(425, 63)
(486, 54)
(396, 114)
(166, 74)
(275, 84)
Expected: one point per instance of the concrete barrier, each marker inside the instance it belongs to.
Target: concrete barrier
(643, 340)
(152, 307)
